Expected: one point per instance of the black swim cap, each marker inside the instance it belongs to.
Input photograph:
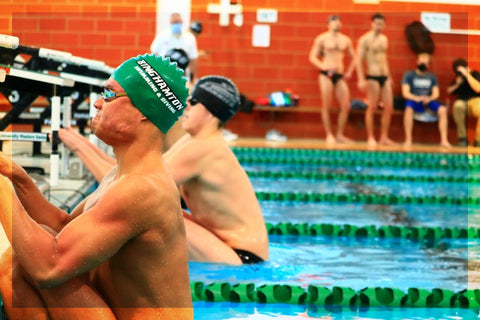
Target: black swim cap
(196, 26)
(219, 95)
(179, 56)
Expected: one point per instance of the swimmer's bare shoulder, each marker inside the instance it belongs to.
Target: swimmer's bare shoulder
(148, 206)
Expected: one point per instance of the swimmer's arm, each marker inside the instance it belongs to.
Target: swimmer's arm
(408, 95)
(96, 161)
(313, 56)
(360, 58)
(184, 160)
(353, 59)
(386, 66)
(95, 148)
(454, 86)
(435, 93)
(87, 241)
(6, 196)
(29, 195)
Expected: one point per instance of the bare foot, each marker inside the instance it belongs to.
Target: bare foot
(330, 139)
(407, 145)
(371, 143)
(387, 142)
(445, 144)
(342, 139)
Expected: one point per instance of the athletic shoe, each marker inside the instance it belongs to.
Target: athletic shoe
(275, 135)
(228, 135)
(425, 117)
(462, 142)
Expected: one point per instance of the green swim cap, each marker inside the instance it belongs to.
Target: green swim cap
(155, 86)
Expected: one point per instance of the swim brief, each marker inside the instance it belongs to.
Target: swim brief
(380, 79)
(247, 257)
(334, 77)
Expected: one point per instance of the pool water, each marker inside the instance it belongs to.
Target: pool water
(398, 188)
(257, 311)
(380, 171)
(357, 262)
(352, 262)
(431, 215)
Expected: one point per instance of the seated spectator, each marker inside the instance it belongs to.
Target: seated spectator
(466, 87)
(420, 91)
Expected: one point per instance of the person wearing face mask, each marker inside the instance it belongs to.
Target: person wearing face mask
(421, 92)
(177, 38)
(466, 87)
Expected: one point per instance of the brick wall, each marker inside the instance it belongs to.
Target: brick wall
(115, 30)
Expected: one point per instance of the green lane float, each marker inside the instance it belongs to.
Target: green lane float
(451, 165)
(242, 292)
(248, 155)
(379, 199)
(339, 296)
(371, 231)
(358, 177)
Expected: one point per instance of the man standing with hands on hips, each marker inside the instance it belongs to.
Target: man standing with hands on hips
(327, 54)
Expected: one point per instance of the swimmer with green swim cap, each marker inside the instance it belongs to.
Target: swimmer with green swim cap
(124, 242)
(155, 86)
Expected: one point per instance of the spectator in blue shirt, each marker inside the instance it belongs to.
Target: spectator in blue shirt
(420, 91)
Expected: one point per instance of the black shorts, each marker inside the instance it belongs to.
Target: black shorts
(247, 257)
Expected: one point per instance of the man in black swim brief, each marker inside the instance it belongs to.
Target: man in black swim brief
(327, 55)
(247, 257)
(380, 79)
(372, 48)
(334, 77)
(224, 213)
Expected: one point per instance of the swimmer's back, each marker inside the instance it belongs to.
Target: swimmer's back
(221, 197)
(145, 271)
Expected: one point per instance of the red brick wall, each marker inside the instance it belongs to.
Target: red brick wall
(259, 71)
(115, 30)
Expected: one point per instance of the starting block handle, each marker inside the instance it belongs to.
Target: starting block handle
(10, 42)
(67, 119)
(55, 126)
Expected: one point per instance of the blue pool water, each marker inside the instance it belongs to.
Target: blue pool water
(352, 262)
(255, 311)
(398, 188)
(355, 262)
(406, 172)
(368, 214)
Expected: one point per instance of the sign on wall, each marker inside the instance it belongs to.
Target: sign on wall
(436, 22)
(261, 35)
(267, 15)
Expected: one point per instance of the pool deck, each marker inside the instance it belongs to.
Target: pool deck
(359, 146)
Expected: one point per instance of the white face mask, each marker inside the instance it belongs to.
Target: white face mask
(176, 28)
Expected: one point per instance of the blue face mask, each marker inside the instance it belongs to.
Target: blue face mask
(176, 28)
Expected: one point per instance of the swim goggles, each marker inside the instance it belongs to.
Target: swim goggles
(110, 95)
